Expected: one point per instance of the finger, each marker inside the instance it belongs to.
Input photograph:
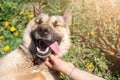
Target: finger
(48, 64)
(52, 57)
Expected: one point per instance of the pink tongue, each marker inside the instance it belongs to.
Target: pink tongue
(54, 46)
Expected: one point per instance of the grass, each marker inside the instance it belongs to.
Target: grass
(14, 15)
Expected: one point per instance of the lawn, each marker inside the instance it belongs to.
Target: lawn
(95, 30)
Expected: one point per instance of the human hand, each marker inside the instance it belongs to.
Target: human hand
(57, 64)
(68, 68)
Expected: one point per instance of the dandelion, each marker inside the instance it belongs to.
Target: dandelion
(13, 20)
(111, 52)
(6, 23)
(70, 23)
(0, 5)
(6, 48)
(19, 30)
(14, 7)
(31, 15)
(92, 33)
(61, 73)
(12, 29)
(21, 13)
(16, 33)
(1, 37)
(89, 65)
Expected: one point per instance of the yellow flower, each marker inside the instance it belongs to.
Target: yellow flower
(13, 20)
(70, 23)
(89, 65)
(14, 7)
(6, 23)
(19, 30)
(6, 48)
(111, 52)
(61, 73)
(16, 33)
(92, 33)
(0, 4)
(1, 37)
(21, 13)
(12, 29)
(31, 15)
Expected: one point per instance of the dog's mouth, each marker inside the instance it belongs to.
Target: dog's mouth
(43, 49)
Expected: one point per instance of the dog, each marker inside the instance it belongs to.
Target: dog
(44, 35)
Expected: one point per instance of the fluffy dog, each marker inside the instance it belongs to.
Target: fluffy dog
(45, 34)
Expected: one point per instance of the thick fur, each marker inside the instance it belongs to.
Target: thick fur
(19, 65)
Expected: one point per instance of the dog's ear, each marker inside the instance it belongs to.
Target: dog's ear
(36, 11)
(67, 18)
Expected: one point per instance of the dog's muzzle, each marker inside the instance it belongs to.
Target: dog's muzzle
(43, 49)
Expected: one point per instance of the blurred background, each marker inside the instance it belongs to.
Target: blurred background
(95, 31)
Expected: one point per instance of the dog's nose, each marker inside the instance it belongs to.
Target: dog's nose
(44, 30)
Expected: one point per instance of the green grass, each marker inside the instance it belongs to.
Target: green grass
(85, 15)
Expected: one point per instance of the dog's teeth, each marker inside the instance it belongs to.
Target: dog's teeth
(42, 52)
(38, 49)
(47, 49)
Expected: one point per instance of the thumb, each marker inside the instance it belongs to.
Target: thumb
(50, 62)
(52, 57)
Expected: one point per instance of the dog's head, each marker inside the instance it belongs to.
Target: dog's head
(44, 30)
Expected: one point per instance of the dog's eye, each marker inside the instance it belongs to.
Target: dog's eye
(38, 21)
(55, 24)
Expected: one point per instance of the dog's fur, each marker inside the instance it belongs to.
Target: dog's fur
(19, 64)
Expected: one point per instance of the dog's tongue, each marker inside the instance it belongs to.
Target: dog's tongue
(55, 47)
